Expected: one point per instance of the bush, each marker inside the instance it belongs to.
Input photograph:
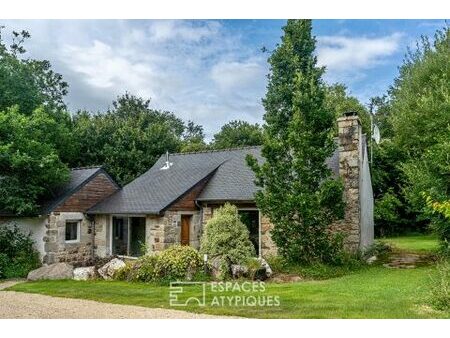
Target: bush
(175, 263)
(18, 255)
(440, 287)
(314, 271)
(226, 236)
(378, 248)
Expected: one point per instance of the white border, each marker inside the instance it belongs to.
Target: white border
(219, 9)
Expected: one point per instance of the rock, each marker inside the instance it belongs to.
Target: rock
(266, 266)
(286, 278)
(84, 273)
(52, 271)
(238, 271)
(219, 267)
(107, 271)
(371, 260)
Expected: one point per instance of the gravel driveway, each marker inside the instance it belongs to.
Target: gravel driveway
(28, 305)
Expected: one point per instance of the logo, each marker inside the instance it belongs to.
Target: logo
(216, 294)
(177, 289)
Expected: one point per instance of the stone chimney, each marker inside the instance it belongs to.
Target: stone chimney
(350, 154)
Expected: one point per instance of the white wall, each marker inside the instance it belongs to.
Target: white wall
(35, 225)
(366, 202)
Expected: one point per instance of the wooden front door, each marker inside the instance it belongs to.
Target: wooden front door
(185, 227)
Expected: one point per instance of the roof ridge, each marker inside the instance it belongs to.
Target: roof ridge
(88, 167)
(215, 150)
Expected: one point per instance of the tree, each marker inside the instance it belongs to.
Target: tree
(29, 83)
(298, 194)
(193, 138)
(338, 101)
(30, 168)
(238, 134)
(420, 101)
(411, 163)
(127, 139)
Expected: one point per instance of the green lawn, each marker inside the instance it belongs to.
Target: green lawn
(375, 292)
(418, 243)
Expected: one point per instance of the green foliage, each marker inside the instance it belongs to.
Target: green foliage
(420, 97)
(193, 138)
(178, 262)
(338, 101)
(175, 263)
(414, 121)
(298, 128)
(128, 139)
(440, 214)
(238, 134)
(227, 237)
(316, 270)
(29, 159)
(27, 82)
(440, 287)
(18, 255)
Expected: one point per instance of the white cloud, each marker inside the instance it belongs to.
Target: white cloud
(165, 30)
(237, 75)
(352, 54)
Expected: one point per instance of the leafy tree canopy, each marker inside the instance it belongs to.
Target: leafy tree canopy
(29, 163)
(127, 139)
(238, 134)
(29, 83)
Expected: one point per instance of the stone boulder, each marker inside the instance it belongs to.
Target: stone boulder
(266, 267)
(108, 270)
(84, 273)
(52, 271)
(219, 266)
(238, 271)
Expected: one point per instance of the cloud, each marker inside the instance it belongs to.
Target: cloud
(351, 54)
(237, 75)
(165, 30)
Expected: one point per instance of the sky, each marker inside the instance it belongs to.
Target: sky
(209, 71)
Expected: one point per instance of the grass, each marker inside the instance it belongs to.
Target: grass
(368, 292)
(416, 243)
(375, 292)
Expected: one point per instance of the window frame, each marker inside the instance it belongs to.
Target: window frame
(78, 222)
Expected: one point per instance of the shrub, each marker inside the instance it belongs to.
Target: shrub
(315, 271)
(18, 255)
(226, 236)
(177, 262)
(378, 248)
(440, 287)
(174, 263)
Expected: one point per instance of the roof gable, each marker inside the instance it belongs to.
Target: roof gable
(79, 177)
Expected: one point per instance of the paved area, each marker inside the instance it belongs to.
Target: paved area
(28, 305)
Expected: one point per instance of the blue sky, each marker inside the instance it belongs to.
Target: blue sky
(210, 71)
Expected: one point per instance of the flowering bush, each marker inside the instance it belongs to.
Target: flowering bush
(175, 263)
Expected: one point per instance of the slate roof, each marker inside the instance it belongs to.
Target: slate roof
(229, 179)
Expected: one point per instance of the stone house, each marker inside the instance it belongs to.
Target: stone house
(62, 230)
(174, 199)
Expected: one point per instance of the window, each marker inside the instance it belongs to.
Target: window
(72, 231)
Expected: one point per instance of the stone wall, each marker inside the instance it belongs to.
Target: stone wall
(101, 240)
(350, 145)
(164, 231)
(57, 249)
(268, 246)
